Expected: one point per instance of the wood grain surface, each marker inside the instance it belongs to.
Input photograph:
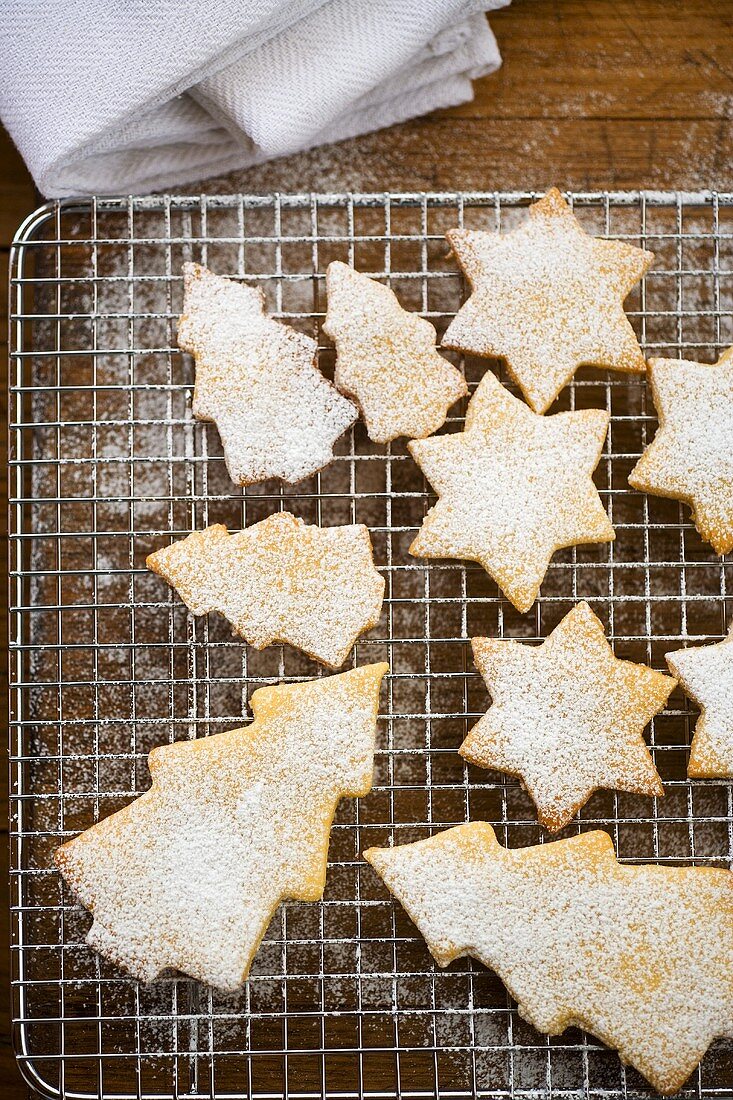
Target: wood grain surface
(591, 94)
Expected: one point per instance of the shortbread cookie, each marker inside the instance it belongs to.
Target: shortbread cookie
(281, 581)
(640, 956)
(257, 380)
(547, 298)
(567, 716)
(386, 358)
(513, 488)
(706, 674)
(189, 875)
(691, 456)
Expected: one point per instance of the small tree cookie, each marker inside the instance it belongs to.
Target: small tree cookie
(386, 358)
(567, 716)
(188, 876)
(281, 581)
(547, 298)
(257, 380)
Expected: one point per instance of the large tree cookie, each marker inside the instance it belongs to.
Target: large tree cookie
(257, 380)
(281, 581)
(513, 488)
(640, 956)
(386, 358)
(567, 716)
(706, 674)
(189, 875)
(547, 298)
(691, 456)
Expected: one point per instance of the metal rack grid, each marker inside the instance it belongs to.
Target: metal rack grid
(107, 463)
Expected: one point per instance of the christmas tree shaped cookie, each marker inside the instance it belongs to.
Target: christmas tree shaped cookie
(640, 956)
(706, 674)
(691, 456)
(547, 298)
(513, 488)
(189, 875)
(257, 380)
(386, 358)
(567, 716)
(281, 581)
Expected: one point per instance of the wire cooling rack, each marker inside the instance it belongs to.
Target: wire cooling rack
(107, 464)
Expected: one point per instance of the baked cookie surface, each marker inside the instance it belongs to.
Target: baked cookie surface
(386, 358)
(640, 956)
(706, 674)
(548, 298)
(691, 456)
(257, 380)
(513, 488)
(281, 580)
(189, 875)
(567, 716)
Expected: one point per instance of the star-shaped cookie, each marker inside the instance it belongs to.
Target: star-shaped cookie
(640, 956)
(706, 674)
(281, 580)
(547, 298)
(691, 456)
(257, 380)
(386, 358)
(567, 716)
(513, 488)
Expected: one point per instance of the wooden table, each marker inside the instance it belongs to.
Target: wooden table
(592, 94)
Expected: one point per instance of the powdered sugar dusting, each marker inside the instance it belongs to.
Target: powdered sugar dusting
(567, 716)
(639, 956)
(547, 297)
(691, 456)
(189, 875)
(387, 359)
(706, 674)
(257, 380)
(514, 487)
(281, 580)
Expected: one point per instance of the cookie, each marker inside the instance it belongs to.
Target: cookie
(386, 358)
(547, 298)
(639, 956)
(513, 488)
(691, 456)
(189, 875)
(257, 380)
(281, 580)
(567, 716)
(706, 674)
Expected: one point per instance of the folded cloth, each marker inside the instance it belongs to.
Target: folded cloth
(121, 98)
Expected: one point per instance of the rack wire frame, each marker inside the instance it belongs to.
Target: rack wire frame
(107, 463)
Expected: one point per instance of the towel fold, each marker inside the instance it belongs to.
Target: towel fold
(112, 98)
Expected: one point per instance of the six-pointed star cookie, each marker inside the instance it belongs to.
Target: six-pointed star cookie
(706, 674)
(567, 716)
(513, 488)
(547, 298)
(691, 456)
(386, 358)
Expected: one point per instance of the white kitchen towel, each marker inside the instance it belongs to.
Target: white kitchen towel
(122, 97)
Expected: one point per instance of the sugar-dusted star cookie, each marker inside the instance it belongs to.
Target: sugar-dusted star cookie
(547, 298)
(257, 380)
(281, 581)
(639, 956)
(189, 875)
(706, 674)
(567, 716)
(386, 358)
(513, 488)
(691, 456)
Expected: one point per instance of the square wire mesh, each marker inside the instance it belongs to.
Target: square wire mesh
(107, 464)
